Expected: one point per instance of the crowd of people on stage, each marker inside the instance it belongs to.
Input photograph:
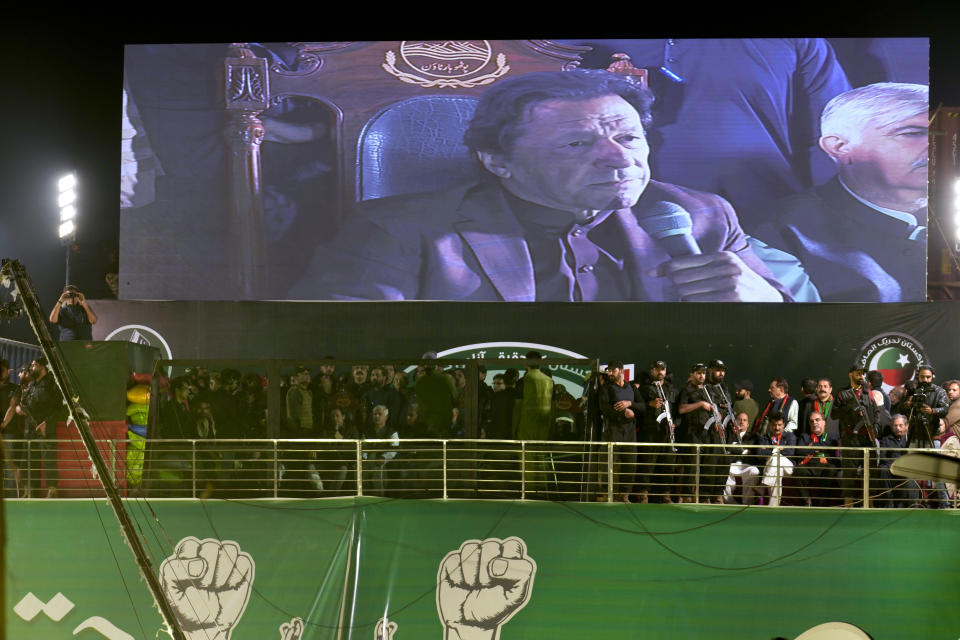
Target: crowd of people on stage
(787, 448)
(365, 402)
(804, 435)
(701, 439)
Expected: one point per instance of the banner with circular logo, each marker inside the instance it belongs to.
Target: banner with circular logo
(895, 355)
(571, 376)
(141, 334)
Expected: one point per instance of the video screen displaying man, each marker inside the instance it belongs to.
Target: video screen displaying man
(567, 212)
(256, 182)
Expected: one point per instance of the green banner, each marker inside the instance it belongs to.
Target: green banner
(465, 570)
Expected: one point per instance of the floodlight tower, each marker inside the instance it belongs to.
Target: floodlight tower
(66, 200)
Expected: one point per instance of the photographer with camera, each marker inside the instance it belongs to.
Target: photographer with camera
(73, 315)
(924, 403)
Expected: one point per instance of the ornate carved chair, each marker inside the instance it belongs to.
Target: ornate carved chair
(396, 112)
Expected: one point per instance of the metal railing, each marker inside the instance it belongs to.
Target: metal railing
(484, 469)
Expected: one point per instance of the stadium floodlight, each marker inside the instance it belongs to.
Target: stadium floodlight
(67, 182)
(66, 200)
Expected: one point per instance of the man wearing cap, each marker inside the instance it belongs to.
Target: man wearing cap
(716, 385)
(533, 418)
(299, 403)
(534, 405)
(73, 315)
(862, 420)
(621, 405)
(744, 402)
(436, 398)
(697, 410)
(658, 467)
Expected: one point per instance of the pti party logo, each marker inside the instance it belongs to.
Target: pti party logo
(895, 355)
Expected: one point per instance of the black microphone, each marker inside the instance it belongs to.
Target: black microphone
(672, 227)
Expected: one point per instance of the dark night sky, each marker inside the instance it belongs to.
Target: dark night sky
(61, 98)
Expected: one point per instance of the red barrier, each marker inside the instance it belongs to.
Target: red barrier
(77, 477)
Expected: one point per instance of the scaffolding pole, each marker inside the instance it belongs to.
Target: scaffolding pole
(14, 271)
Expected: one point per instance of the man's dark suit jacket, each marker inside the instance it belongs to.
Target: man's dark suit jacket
(827, 445)
(851, 252)
(465, 243)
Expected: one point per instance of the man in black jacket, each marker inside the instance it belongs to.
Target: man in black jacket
(658, 466)
(39, 402)
(621, 405)
(901, 492)
(815, 466)
(924, 408)
(862, 420)
(777, 454)
(698, 411)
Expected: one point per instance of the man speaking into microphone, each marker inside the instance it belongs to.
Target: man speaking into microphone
(565, 211)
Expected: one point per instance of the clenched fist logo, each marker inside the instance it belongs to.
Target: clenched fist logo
(482, 586)
(208, 583)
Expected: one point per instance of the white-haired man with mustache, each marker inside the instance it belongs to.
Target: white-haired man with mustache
(862, 236)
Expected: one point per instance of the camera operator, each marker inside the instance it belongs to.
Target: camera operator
(924, 404)
(73, 315)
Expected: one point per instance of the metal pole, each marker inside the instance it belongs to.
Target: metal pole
(444, 468)
(31, 306)
(523, 470)
(359, 470)
(696, 476)
(193, 469)
(866, 478)
(276, 470)
(609, 472)
(67, 261)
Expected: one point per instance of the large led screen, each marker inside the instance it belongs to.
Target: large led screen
(782, 169)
